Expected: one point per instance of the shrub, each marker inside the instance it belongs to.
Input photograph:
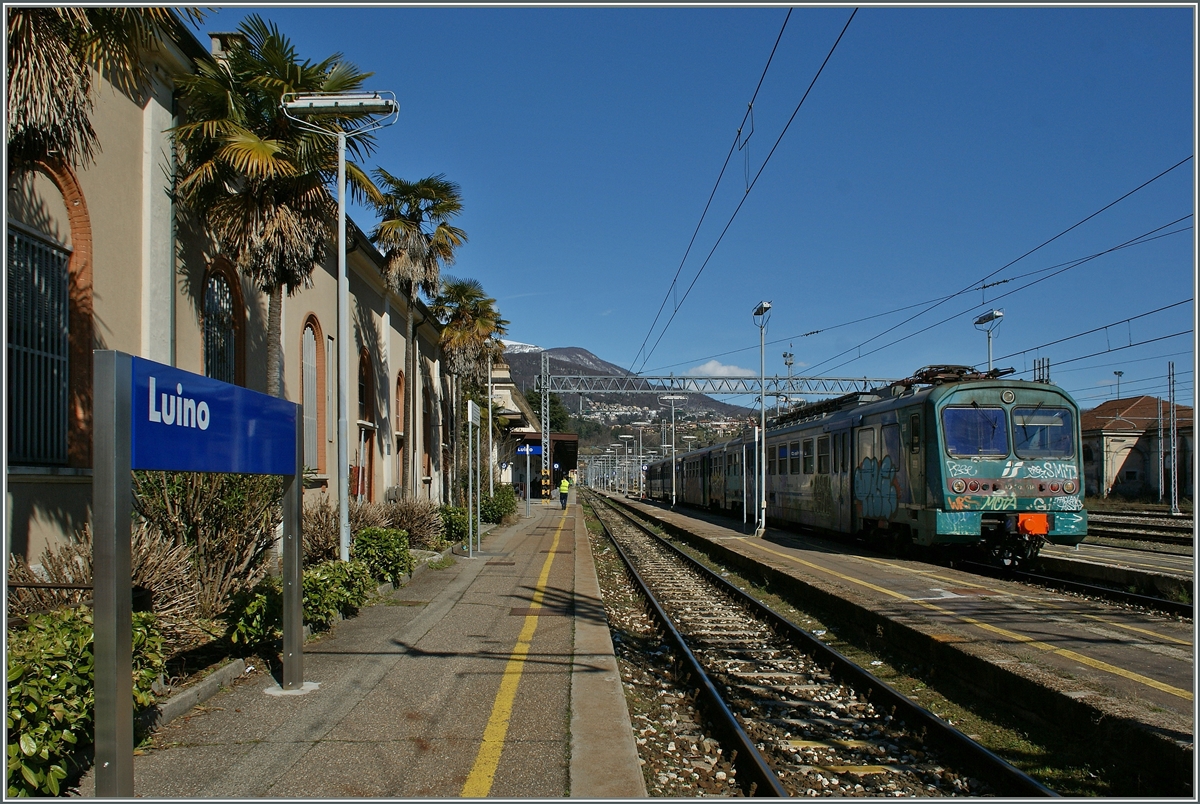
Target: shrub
(254, 617)
(163, 568)
(420, 519)
(228, 520)
(454, 521)
(385, 552)
(333, 588)
(366, 515)
(51, 693)
(499, 505)
(320, 532)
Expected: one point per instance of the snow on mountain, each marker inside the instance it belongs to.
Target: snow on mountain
(516, 347)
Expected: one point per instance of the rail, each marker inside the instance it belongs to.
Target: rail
(982, 761)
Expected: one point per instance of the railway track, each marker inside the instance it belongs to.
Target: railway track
(1092, 590)
(803, 719)
(1145, 527)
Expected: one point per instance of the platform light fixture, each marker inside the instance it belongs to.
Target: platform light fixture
(340, 107)
(761, 315)
(671, 399)
(986, 323)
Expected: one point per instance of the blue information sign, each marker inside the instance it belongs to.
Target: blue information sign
(185, 422)
(529, 450)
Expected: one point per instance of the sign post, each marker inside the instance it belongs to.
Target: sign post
(472, 421)
(150, 416)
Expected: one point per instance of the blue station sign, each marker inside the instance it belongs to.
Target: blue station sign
(529, 449)
(186, 422)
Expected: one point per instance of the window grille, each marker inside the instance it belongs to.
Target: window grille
(38, 347)
(309, 381)
(220, 340)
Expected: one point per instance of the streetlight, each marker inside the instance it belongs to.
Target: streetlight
(641, 460)
(343, 105)
(986, 323)
(672, 399)
(761, 314)
(1119, 374)
(626, 439)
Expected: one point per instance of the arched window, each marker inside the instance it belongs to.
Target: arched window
(400, 401)
(366, 387)
(363, 473)
(313, 384)
(222, 325)
(430, 432)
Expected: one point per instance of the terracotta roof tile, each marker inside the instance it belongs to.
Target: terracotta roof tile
(1135, 414)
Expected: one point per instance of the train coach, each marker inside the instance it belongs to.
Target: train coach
(948, 456)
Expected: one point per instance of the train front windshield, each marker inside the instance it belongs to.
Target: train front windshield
(976, 431)
(1040, 432)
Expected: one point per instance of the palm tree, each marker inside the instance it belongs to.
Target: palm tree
(471, 329)
(471, 326)
(416, 237)
(255, 178)
(51, 54)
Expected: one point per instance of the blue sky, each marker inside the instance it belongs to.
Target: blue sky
(937, 146)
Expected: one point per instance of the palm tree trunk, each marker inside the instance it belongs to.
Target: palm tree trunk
(410, 394)
(274, 333)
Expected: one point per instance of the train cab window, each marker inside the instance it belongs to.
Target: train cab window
(823, 455)
(771, 461)
(976, 431)
(914, 433)
(808, 456)
(795, 458)
(837, 439)
(1041, 432)
(866, 443)
(845, 452)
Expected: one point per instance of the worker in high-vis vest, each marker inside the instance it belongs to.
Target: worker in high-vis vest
(563, 488)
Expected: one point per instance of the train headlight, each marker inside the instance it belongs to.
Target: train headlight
(1069, 487)
(959, 486)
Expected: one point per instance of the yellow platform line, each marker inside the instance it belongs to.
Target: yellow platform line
(483, 772)
(1147, 632)
(1070, 654)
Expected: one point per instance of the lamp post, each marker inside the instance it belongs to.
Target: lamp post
(1119, 374)
(626, 439)
(986, 323)
(342, 105)
(616, 465)
(640, 460)
(761, 314)
(672, 399)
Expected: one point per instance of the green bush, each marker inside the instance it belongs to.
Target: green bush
(385, 552)
(455, 520)
(254, 618)
(499, 505)
(51, 693)
(333, 588)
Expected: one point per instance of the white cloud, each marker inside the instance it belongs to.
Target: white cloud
(715, 368)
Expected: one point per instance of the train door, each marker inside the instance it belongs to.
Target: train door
(864, 445)
(916, 457)
(839, 482)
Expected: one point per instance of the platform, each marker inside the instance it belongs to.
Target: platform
(494, 677)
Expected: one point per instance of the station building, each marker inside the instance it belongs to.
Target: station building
(98, 258)
(1121, 447)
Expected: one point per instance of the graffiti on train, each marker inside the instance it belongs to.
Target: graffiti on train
(875, 487)
(1043, 470)
(822, 495)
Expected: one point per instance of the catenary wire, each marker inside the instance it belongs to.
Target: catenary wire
(711, 195)
(901, 339)
(750, 187)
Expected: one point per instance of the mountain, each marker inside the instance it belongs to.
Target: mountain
(525, 362)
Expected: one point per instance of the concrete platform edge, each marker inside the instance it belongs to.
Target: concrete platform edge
(604, 759)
